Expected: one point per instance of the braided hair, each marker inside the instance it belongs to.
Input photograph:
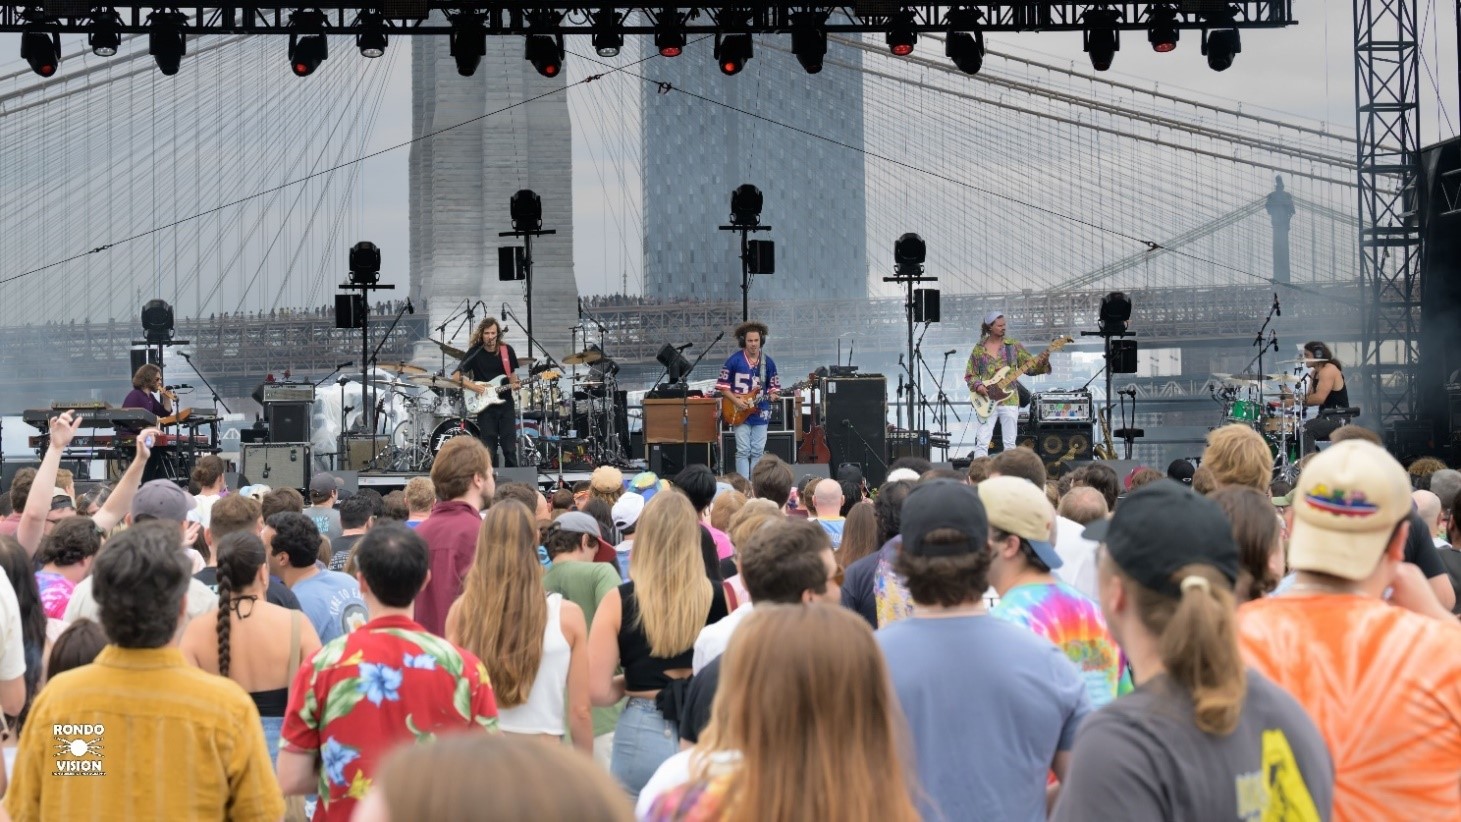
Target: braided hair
(240, 555)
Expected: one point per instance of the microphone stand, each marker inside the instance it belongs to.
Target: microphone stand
(922, 423)
(211, 390)
(942, 408)
(867, 449)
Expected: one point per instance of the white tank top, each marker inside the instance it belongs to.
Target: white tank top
(543, 712)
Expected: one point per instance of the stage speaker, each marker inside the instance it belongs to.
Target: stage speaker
(669, 459)
(349, 312)
(1123, 356)
(277, 465)
(1024, 438)
(855, 416)
(526, 476)
(761, 256)
(925, 305)
(288, 421)
(1060, 448)
(510, 266)
(359, 451)
(780, 443)
(142, 355)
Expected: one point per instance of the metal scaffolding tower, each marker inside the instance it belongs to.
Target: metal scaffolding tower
(1387, 120)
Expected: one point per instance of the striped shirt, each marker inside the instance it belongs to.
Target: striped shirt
(140, 734)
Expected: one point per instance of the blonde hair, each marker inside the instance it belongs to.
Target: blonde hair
(1238, 455)
(670, 584)
(747, 521)
(804, 756)
(503, 611)
(726, 505)
(460, 775)
(420, 494)
(1197, 639)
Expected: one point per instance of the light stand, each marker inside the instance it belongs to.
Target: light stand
(909, 253)
(1114, 317)
(526, 209)
(365, 278)
(746, 218)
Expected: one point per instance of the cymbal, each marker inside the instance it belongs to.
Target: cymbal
(588, 356)
(401, 368)
(1287, 379)
(448, 350)
(432, 381)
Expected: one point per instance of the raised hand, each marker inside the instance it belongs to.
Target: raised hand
(144, 450)
(63, 429)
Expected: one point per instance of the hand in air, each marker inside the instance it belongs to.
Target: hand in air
(63, 429)
(191, 530)
(144, 451)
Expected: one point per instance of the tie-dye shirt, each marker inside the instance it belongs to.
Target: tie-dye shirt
(890, 592)
(1073, 622)
(55, 593)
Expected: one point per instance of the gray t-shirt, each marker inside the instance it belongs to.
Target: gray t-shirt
(989, 705)
(327, 520)
(1142, 757)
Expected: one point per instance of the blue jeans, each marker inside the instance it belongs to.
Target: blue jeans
(272, 726)
(643, 740)
(750, 445)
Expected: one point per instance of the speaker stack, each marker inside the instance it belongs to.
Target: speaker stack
(855, 417)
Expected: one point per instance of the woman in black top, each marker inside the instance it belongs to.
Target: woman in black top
(484, 361)
(648, 626)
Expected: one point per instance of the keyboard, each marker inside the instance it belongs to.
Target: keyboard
(40, 418)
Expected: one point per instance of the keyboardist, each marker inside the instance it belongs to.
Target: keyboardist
(148, 393)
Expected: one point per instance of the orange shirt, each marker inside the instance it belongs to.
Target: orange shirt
(1384, 686)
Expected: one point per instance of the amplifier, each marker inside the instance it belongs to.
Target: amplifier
(277, 465)
(908, 444)
(780, 443)
(361, 450)
(1062, 406)
(288, 392)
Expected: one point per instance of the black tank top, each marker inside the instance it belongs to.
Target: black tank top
(642, 671)
(1338, 398)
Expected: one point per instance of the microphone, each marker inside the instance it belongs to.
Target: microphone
(847, 423)
(1129, 391)
(172, 387)
(343, 364)
(900, 361)
(951, 352)
(410, 309)
(504, 312)
(1277, 309)
(185, 355)
(685, 346)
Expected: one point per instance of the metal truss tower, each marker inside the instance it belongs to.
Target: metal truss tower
(1387, 120)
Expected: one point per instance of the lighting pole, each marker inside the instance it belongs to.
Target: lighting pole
(909, 253)
(526, 209)
(757, 256)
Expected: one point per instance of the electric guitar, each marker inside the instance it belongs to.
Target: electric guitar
(480, 395)
(733, 415)
(1001, 385)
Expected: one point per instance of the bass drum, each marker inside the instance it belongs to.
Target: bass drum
(449, 430)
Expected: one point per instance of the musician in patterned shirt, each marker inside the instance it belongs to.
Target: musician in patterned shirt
(994, 352)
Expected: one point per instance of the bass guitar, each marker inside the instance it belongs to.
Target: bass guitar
(480, 395)
(814, 447)
(1001, 385)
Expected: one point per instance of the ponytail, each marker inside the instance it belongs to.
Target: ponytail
(225, 591)
(1198, 643)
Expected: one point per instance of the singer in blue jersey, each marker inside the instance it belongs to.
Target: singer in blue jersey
(750, 371)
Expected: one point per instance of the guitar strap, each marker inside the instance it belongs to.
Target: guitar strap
(502, 352)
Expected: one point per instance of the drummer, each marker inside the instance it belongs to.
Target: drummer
(1328, 391)
(489, 358)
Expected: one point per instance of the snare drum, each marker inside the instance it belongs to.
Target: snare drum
(449, 430)
(449, 404)
(1242, 411)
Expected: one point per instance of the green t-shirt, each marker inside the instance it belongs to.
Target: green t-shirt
(585, 584)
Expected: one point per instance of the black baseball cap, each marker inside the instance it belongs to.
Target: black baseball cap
(944, 504)
(1162, 527)
(1181, 470)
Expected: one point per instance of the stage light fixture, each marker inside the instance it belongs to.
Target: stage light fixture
(966, 50)
(372, 38)
(106, 36)
(809, 40)
(167, 41)
(731, 52)
(909, 253)
(1101, 40)
(1163, 33)
(42, 49)
(364, 263)
(901, 36)
(468, 40)
(157, 321)
(306, 52)
(669, 35)
(746, 203)
(1220, 46)
(608, 33)
(526, 209)
(545, 52)
(1115, 313)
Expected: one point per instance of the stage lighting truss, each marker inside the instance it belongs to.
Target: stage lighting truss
(809, 39)
(608, 32)
(167, 40)
(1220, 45)
(964, 44)
(1163, 33)
(372, 38)
(106, 34)
(468, 43)
(545, 52)
(669, 33)
(902, 35)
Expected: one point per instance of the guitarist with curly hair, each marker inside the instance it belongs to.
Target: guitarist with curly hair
(747, 385)
(487, 359)
(994, 352)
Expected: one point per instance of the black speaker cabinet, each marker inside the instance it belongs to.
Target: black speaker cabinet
(1061, 447)
(669, 459)
(908, 444)
(288, 421)
(780, 443)
(350, 310)
(142, 355)
(925, 305)
(855, 417)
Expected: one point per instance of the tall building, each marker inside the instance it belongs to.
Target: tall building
(696, 153)
(461, 181)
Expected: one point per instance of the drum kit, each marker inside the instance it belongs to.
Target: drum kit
(1266, 403)
(562, 424)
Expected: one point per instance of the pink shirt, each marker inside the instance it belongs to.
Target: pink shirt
(10, 525)
(723, 546)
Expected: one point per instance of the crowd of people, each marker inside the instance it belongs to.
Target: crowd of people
(990, 643)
